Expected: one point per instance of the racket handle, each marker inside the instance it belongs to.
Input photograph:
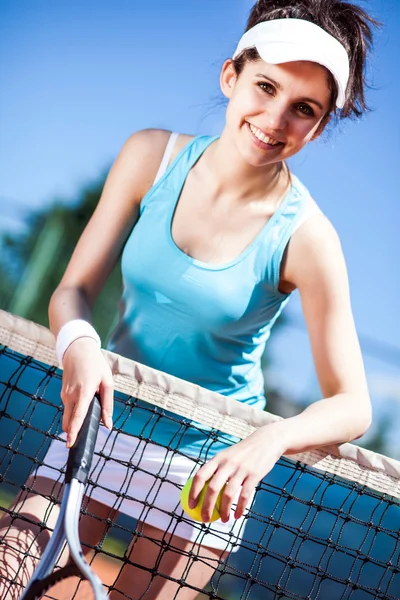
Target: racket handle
(81, 454)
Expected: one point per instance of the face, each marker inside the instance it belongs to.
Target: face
(274, 110)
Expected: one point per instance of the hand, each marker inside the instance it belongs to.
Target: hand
(240, 466)
(85, 373)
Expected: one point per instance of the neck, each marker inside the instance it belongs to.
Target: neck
(229, 175)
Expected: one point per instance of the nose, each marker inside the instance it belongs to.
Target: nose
(275, 116)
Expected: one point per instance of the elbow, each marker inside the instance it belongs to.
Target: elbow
(56, 300)
(363, 416)
(363, 428)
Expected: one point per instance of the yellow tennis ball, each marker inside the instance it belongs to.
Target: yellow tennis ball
(195, 513)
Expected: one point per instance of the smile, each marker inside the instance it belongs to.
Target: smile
(260, 135)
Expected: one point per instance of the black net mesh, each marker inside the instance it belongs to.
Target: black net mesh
(307, 534)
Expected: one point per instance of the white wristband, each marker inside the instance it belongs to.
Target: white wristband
(71, 331)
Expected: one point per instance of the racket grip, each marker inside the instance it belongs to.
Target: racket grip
(81, 454)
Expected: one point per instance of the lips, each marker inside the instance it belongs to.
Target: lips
(262, 138)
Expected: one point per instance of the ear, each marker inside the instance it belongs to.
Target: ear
(227, 78)
(321, 127)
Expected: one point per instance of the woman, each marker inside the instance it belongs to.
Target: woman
(211, 254)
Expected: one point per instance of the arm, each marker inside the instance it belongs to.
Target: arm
(85, 370)
(100, 245)
(315, 265)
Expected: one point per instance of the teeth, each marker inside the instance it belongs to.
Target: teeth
(260, 135)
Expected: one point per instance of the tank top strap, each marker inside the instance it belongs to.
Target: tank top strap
(297, 210)
(175, 173)
(167, 156)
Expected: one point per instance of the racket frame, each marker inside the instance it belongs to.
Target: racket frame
(67, 526)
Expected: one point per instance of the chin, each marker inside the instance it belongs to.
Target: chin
(257, 159)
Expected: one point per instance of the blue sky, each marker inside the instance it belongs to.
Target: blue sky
(79, 76)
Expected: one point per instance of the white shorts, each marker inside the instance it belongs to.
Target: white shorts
(143, 480)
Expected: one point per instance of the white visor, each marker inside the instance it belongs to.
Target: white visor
(287, 40)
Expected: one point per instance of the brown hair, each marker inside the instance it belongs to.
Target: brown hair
(346, 22)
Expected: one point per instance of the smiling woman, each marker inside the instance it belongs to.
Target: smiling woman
(215, 233)
(285, 106)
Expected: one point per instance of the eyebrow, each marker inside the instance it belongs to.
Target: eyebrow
(279, 87)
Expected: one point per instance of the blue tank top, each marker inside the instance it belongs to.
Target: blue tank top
(205, 323)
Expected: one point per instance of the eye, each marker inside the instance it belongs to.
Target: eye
(305, 109)
(266, 87)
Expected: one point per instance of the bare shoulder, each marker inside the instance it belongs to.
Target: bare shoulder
(145, 149)
(316, 234)
(313, 253)
(182, 140)
(143, 152)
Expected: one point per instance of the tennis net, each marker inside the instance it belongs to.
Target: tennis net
(322, 525)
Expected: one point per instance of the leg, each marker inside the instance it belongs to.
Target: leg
(171, 560)
(22, 539)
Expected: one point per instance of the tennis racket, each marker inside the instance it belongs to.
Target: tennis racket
(66, 529)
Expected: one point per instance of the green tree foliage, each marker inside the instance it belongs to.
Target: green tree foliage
(23, 255)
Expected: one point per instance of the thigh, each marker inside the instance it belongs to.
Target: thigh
(25, 530)
(163, 565)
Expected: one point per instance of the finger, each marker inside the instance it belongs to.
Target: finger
(69, 404)
(78, 416)
(107, 402)
(215, 485)
(199, 481)
(67, 414)
(245, 496)
(230, 494)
